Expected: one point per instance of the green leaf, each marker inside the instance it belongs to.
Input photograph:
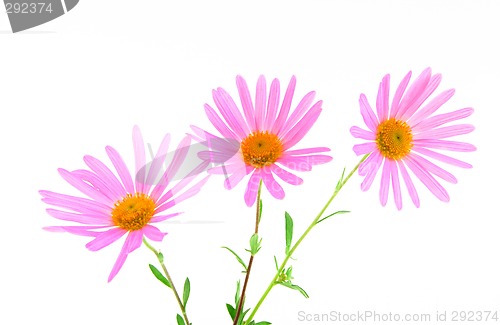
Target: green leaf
(295, 287)
(331, 215)
(237, 257)
(185, 294)
(341, 180)
(180, 320)
(237, 295)
(159, 276)
(254, 244)
(260, 209)
(263, 323)
(231, 310)
(276, 263)
(288, 232)
(160, 257)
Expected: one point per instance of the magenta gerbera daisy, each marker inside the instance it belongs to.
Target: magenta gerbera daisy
(403, 137)
(117, 205)
(259, 142)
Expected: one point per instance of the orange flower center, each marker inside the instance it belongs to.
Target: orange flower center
(261, 149)
(394, 139)
(133, 212)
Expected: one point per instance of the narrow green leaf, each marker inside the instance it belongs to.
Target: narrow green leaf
(263, 323)
(185, 294)
(237, 295)
(231, 310)
(180, 320)
(160, 257)
(295, 287)
(276, 263)
(341, 180)
(237, 257)
(159, 276)
(288, 232)
(260, 209)
(331, 215)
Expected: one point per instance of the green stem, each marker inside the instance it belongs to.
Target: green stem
(250, 262)
(169, 278)
(306, 232)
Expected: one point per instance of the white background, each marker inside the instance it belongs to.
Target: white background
(76, 84)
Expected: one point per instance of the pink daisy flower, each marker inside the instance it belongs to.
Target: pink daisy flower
(403, 137)
(259, 142)
(119, 206)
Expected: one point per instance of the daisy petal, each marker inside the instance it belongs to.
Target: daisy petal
(445, 132)
(384, 182)
(286, 176)
(103, 172)
(367, 113)
(362, 134)
(272, 186)
(427, 179)
(395, 184)
(140, 159)
(252, 186)
(435, 121)
(398, 94)
(89, 219)
(272, 104)
(364, 148)
(444, 145)
(121, 168)
(153, 233)
(106, 238)
(431, 107)
(409, 184)
(285, 107)
(246, 102)
(443, 158)
(383, 99)
(260, 103)
(436, 170)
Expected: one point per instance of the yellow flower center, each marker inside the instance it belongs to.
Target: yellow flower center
(394, 139)
(261, 149)
(133, 212)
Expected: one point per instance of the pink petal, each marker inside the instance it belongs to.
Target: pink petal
(106, 238)
(74, 203)
(272, 186)
(97, 184)
(297, 132)
(367, 113)
(441, 119)
(431, 87)
(246, 102)
(436, 170)
(260, 103)
(132, 242)
(398, 94)
(298, 163)
(445, 132)
(413, 93)
(157, 163)
(384, 182)
(409, 184)
(179, 156)
(371, 171)
(444, 145)
(307, 151)
(427, 179)
(364, 148)
(140, 159)
(121, 168)
(252, 186)
(156, 219)
(236, 177)
(441, 157)
(218, 123)
(395, 184)
(85, 188)
(195, 189)
(272, 104)
(383, 99)
(77, 230)
(362, 134)
(230, 113)
(431, 107)
(89, 219)
(106, 175)
(286, 176)
(285, 107)
(299, 112)
(153, 233)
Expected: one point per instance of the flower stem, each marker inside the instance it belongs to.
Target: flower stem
(250, 262)
(274, 281)
(169, 278)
